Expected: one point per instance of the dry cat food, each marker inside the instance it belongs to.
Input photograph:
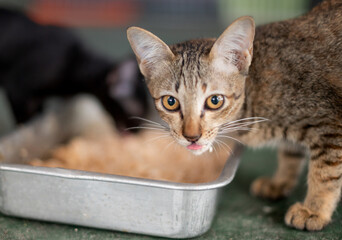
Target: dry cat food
(145, 155)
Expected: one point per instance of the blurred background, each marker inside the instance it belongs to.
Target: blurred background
(102, 24)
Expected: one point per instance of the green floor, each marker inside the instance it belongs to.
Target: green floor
(240, 216)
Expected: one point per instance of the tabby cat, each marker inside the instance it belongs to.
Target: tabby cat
(287, 84)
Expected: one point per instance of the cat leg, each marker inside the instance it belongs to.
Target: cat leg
(290, 161)
(324, 189)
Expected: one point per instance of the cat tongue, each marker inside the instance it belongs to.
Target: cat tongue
(194, 146)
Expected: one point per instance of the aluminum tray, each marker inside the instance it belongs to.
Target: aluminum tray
(128, 204)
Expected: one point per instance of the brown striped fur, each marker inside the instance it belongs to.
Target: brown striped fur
(295, 81)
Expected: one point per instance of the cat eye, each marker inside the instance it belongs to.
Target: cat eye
(170, 103)
(214, 102)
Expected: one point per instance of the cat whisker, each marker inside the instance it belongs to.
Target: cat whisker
(150, 122)
(148, 128)
(249, 118)
(154, 126)
(226, 145)
(219, 145)
(161, 136)
(168, 145)
(226, 136)
(223, 146)
(239, 124)
(144, 119)
(245, 121)
(234, 129)
(215, 150)
(240, 121)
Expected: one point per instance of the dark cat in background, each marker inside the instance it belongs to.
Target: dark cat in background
(40, 61)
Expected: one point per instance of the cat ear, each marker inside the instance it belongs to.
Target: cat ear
(233, 50)
(149, 50)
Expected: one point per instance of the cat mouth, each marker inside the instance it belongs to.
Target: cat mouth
(194, 146)
(198, 149)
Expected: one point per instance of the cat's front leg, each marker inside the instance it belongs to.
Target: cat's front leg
(290, 161)
(324, 189)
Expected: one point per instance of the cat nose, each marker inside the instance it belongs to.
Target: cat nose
(192, 138)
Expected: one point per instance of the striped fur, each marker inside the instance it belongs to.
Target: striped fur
(295, 81)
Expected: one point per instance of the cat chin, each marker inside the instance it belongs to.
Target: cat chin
(199, 151)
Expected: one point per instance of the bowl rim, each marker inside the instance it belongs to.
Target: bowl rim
(224, 179)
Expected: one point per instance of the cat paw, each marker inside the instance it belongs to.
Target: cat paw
(301, 217)
(269, 189)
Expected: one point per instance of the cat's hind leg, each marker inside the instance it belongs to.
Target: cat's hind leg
(290, 162)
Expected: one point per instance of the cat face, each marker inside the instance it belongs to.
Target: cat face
(197, 85)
